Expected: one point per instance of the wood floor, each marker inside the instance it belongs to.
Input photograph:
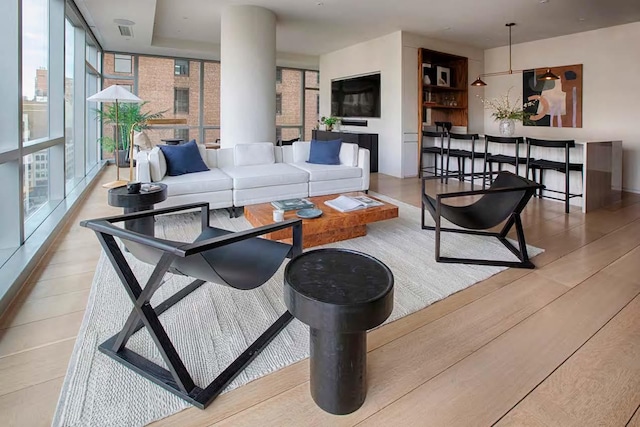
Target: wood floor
(556, 346)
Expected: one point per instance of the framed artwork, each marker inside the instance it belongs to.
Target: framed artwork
(556, 103)
(443, 75)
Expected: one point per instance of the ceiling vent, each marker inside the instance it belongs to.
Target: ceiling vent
(125, 31)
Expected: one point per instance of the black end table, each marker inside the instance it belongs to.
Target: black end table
(136, 202)
(340, 294)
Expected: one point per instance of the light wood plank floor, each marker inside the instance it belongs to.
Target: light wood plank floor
(556, 346)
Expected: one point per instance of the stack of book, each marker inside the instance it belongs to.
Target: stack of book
(292, 204)
(352, 203)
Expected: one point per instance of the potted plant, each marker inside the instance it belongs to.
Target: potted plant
(329, 122)
(130, 118)
(507, 113)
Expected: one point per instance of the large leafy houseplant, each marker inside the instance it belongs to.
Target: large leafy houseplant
(130, 118)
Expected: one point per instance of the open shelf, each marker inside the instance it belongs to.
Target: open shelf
(449, 107)
(435, 88)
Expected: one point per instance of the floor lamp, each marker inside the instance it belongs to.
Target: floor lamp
(115, 94)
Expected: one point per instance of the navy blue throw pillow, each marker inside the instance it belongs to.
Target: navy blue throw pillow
(182, 159)
(325, 152)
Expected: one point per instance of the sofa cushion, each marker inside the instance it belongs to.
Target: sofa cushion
(349, 154)
(260, 153)
(183, 159)
(325, 152)
(329, 172)
(198, 182)
(265, 175)
(157, 164)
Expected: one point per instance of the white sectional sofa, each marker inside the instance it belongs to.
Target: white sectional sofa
(257, 173)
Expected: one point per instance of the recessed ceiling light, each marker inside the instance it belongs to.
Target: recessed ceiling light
(581, 19)
(544, 1)
(185, 17)
(319, 4)
(447, 28)
(124, 22)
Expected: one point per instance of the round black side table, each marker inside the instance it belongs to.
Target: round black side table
(136, 202)
(340, 294)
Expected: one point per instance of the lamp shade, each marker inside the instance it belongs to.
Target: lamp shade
(478, 82)
(548, 76)
(114, 93)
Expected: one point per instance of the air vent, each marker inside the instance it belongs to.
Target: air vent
(125, 31)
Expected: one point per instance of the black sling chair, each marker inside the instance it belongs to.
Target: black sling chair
(505, 199)
(237, 259)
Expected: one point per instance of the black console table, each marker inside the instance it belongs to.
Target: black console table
(364, 140)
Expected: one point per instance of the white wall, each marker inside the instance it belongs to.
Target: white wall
(382, 55)
(611, 93)
(395, 56)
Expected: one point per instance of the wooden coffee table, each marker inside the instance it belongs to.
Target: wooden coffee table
(332, 226)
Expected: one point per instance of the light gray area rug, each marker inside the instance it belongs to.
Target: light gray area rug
(215, 323)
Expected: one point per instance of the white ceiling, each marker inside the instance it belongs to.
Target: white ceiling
(192, 27)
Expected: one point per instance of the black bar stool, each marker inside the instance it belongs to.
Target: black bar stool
(464, 154)
(438, 151)
(502, 159)
(564, 167)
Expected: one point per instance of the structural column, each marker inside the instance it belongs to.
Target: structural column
(248, 74)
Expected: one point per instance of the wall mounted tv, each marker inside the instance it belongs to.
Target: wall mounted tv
(356, 97)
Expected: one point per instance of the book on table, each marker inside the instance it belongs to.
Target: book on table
(292, 204)
(352, 203)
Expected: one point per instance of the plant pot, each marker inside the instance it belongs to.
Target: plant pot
(123, 158)
(507, 127)
(329, 128)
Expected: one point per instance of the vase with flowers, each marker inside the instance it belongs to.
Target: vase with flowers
(508, 113)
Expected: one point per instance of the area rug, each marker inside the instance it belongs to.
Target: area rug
(215, 323)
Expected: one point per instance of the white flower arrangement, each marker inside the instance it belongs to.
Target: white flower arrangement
(503, 109)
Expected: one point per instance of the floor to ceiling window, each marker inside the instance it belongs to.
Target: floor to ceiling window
(46, 144)
(189, 90)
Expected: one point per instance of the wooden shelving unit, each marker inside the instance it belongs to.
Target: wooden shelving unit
(441, 102)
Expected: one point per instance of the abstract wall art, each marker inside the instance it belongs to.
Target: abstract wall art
(556, 103)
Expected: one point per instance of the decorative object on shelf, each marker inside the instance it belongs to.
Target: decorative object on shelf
(508, 113)
(444, 76)
(554, 103)
(329, 122)
(479, 82)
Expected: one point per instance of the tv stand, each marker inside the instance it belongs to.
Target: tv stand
(364, 140)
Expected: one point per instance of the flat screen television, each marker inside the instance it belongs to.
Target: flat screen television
(356, 97)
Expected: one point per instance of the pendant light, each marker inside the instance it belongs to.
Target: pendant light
(548, 75)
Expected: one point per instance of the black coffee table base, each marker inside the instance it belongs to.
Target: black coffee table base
(340, 294)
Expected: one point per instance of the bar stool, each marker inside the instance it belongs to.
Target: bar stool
(564, 167)
(463, 154)
(437, 150)
(502, 159)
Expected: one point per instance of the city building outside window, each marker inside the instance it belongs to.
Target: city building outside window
(181, 67)
(278, 104)
(122, 63)
(278, 75)
(181, 100)
(181, 134)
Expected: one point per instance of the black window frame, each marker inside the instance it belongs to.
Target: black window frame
(178, 103)
(181, 69)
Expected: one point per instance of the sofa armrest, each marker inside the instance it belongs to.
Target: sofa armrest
(364, 163)
(143, 172)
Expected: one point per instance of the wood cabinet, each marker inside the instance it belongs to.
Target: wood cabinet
(443, 88)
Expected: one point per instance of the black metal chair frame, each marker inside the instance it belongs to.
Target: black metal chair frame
(176, 379)
(436, 151)
(563, 167)
(463, 154)
(500, 159)
(513, 220)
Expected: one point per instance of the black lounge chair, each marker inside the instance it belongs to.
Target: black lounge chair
(505, 199)
(240, 260)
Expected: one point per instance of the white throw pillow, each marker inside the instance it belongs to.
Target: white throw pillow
(141, 140)
(260, 153)
(157, 164)
(349, 154)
